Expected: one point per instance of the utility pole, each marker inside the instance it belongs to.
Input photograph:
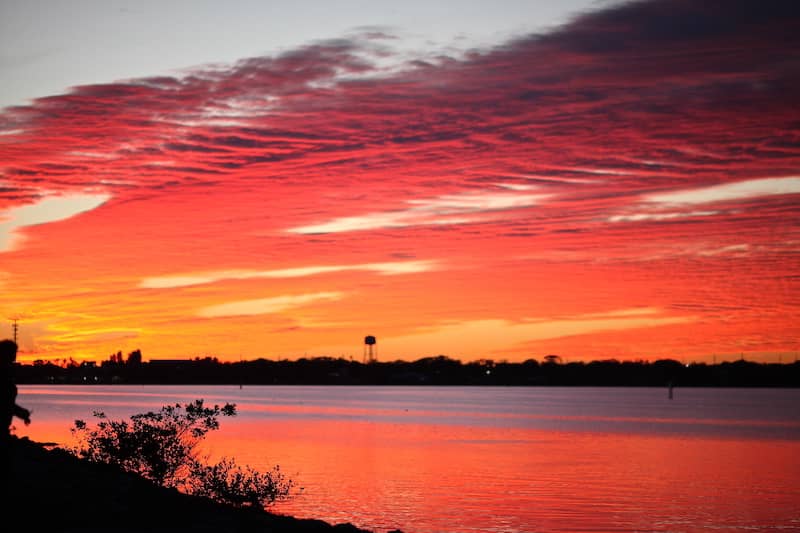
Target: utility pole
(15, 329)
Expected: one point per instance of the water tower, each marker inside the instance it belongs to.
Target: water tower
(370, 349)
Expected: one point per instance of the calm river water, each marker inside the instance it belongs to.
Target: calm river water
(475, 459)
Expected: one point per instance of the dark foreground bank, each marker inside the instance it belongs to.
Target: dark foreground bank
(51, 490)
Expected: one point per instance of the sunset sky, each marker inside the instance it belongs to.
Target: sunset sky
(499, 180)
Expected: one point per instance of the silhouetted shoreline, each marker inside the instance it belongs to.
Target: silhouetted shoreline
(51, 490)
(439, 370)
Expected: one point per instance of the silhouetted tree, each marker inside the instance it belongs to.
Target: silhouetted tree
(135, 358)
(440, 370)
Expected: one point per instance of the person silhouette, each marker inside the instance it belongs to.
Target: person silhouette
(8, 354)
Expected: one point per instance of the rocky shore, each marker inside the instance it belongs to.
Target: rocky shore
(48, 489)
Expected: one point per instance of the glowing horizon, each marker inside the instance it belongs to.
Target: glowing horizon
(619, 186)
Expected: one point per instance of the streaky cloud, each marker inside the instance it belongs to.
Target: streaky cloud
(726, 192)
(659, 217)
(501, 334)
(202, 278)
(48, 209)
(265, 306)
(443, 210)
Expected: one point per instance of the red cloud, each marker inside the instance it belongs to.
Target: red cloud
(598, 116)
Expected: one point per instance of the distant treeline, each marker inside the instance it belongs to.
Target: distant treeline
(439, 370)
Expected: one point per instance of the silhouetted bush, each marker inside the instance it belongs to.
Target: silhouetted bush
(227, 482)
(162, 447)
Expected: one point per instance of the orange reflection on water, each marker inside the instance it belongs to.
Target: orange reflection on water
(435, 461)
(444, 478)
(44, 430)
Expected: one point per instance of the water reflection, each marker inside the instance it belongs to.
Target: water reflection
(448, 459)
